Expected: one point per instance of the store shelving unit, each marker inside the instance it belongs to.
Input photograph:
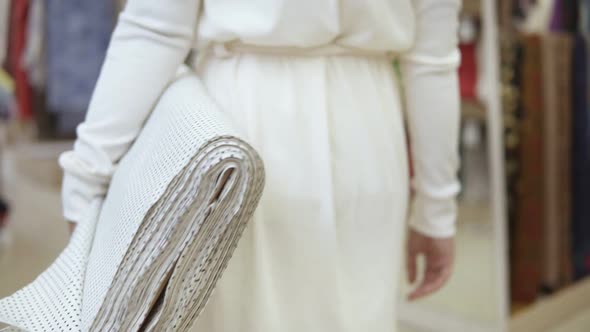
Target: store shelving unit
(552, 310)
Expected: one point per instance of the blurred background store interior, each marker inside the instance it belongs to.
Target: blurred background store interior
(523, 242)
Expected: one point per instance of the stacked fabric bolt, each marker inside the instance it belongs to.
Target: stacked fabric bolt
(149, 255)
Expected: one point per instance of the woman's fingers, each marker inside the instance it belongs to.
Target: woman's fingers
(434, 279)
(411, 262)
(438, 255)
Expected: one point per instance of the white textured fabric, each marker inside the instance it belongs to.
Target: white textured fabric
(153, 37)
(150, 255)
(53, 302)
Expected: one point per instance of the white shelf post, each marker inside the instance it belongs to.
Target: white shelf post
(495, 126)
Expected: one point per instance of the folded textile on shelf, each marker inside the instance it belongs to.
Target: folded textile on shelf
(148, 256)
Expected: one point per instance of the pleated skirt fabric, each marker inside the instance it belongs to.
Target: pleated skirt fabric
(323, 251)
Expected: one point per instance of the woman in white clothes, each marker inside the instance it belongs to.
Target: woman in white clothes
(312, 86)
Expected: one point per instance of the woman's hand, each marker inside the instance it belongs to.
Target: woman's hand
(438, 255)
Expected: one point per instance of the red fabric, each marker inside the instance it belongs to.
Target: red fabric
(468, 71)
(18, 34)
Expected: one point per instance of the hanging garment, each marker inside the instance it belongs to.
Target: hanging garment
(4, 28)
(527, 250)
(580, 179)
(66, 123)
(18, 34)
(33, 59)
(78, 34)
(512, 76)
(6, 103)
(565, 16)
(584, 17)
(150, 255)
(468, 71)
(538, 19)
(558, 19)
(557, 109)
(571, 15)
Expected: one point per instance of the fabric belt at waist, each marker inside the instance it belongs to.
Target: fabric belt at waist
(228, 49)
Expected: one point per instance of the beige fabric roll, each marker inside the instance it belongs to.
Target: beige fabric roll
(149, 255)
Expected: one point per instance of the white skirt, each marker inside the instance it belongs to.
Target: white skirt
(323, 252)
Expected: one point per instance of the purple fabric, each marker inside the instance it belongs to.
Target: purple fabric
(556, 23)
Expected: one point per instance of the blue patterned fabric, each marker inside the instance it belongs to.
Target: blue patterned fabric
(78, 34)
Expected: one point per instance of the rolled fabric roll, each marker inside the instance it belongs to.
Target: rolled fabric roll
(148, 256)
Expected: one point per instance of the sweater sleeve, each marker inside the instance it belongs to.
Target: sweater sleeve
(151, 40)
(429, 72)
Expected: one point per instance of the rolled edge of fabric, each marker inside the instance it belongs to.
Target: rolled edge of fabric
(149, 255)
(185, 242)
(182, 196)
